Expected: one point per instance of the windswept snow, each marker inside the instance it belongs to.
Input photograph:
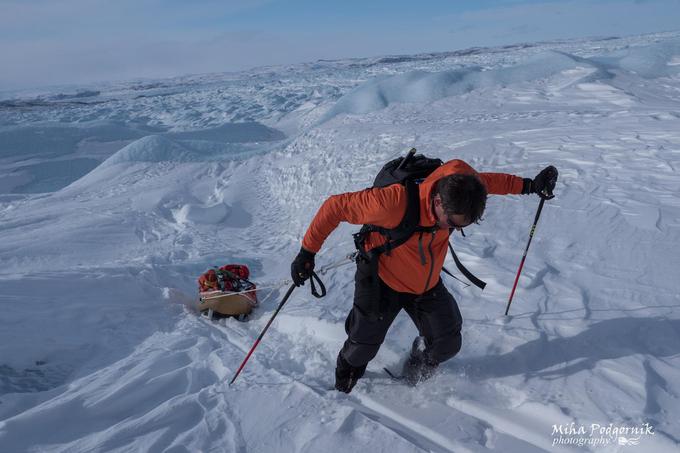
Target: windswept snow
(419, 86)
(115, 198)
(424, 87)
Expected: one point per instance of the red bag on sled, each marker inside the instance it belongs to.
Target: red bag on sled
(227, 291)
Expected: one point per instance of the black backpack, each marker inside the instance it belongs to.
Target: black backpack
(409, 171)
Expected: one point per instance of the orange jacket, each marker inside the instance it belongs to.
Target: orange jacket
(402, 270)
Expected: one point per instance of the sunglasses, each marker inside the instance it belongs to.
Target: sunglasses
(454, 225)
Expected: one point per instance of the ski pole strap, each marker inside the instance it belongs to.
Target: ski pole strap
(321, 286)
(469, 275)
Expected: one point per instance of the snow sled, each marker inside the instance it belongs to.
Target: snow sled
(227, 292)
(226, 302)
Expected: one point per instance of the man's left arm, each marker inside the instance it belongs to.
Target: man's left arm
(503, 183)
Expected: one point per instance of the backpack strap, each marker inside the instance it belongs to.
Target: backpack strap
(406, 228)
(469, 275)
(448, 272)
(401, 233)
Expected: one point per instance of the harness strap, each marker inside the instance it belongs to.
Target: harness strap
(402, 233)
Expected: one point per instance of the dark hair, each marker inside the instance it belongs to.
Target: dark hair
(463, 194)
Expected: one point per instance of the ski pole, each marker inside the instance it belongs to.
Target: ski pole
(314, 276)
(524, 257)
(285, 299)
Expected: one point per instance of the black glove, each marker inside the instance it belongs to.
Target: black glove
(302, 267)
(543, 184)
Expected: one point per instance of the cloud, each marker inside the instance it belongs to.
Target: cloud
(564, 19)
(70, 18)
(125, 58)
(48, 42)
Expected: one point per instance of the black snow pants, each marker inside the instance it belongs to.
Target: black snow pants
(435, 314)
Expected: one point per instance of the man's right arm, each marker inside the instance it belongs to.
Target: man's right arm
(378, 206)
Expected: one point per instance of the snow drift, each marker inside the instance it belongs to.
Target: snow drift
(421, 86)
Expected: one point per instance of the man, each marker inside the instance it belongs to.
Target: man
(451, 198)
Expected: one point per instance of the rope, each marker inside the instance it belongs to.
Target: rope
(322, 271)
(266, 298)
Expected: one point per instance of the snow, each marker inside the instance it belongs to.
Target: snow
(423, 87)
(115, 198)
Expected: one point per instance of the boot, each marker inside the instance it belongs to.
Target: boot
(419, 366)
(346, 376)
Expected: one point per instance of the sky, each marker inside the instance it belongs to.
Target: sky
(75, 42)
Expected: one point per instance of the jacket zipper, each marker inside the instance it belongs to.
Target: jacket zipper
(423, 260)
(429, 248)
